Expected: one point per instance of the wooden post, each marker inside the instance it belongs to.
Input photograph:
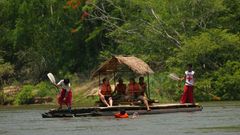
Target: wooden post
(99, 79)
(114, 79)
(148, 87)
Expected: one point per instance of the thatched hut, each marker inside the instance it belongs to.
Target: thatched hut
(124, 64)
(117, 63)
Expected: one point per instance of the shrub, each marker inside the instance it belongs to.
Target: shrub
(44, 89)
(25, 96)
(226, 81)
(163, 88)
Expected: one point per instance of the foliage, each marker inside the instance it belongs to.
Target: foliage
(163, 88)
(25, 96)
(6, 70)
(70, 38)
(226, 81)
(44, 89)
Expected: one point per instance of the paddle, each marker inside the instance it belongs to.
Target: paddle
(174, 77)
(52, 79)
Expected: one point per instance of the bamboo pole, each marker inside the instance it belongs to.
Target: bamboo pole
(148, 87)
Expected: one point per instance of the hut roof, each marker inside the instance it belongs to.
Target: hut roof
(114, 64)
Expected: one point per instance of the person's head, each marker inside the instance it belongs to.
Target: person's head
(122, 112)
(132, 80)
(141, 79)
(120, 81)
(105, 80)
(66, 81)
(189, 66)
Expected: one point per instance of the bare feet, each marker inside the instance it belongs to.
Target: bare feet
(148, 110)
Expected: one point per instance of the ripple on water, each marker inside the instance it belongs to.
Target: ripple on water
(215, 119)
(232, 128)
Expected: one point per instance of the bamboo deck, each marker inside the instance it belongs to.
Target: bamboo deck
(130, 109)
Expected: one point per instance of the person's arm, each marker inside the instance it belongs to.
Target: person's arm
(58, 85)
(183, 78)
(99, 92)
(115, 90)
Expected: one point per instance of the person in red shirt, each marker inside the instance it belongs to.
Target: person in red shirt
(105, 93)
(134, 91)
(120, 90)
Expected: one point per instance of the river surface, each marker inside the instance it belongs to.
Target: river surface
(217, 118)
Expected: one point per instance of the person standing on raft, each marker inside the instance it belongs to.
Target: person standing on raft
(65, 96)
(105, 93)
(187, 96)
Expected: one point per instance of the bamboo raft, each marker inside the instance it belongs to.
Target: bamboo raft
(130, 109)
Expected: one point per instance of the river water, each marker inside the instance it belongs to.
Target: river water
(217, 118)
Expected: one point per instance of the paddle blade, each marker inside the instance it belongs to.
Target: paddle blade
(51, 78)
(173, 76)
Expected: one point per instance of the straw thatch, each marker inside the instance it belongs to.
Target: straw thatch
(116, 63)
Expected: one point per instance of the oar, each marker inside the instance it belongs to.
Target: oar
(174, 77)
(52, 80)
(214, 97)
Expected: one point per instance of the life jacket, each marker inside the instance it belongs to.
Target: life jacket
(133, 88)
(143, 87)
(189, 80)
(118, 115)
(121, 88)
(106, 90)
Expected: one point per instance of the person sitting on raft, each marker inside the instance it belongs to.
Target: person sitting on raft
(105, 92)
(120, 90)
(65, 94)
(134, 91)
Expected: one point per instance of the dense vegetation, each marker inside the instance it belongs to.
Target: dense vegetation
(71, 37)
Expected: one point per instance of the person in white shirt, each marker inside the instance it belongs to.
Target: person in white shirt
(187, 96)
(65, 96)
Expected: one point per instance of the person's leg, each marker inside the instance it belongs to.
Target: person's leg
(102, 98)
(110, 101)
(60, 101)
(128, 98)
(60, 98)
(144, 99)
(69, 100)
(190, 94)
(184, 95)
